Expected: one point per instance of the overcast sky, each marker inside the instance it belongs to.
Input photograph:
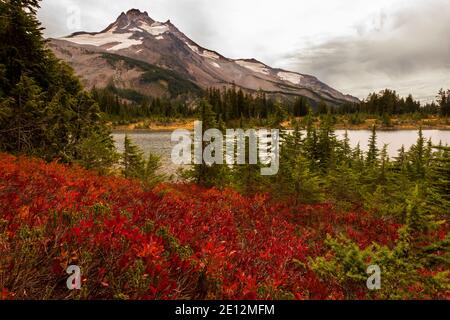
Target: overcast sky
(356, 46)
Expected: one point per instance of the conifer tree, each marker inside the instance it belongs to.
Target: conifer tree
(418, 153)
(326, 144)
(295, 181)
(401, 159)
(132, 160)
(358, 158)
(372, 153)
(444, 102)
(152, 176)
(43, 109)
(301, 107)
(311, 142)
(346, 149)
(384, 165)
(209, 174)
(439, 181)
(135, 166)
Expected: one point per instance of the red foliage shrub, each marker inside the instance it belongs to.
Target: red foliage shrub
(174, 242)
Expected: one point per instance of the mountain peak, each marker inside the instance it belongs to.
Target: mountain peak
(136, 13)
(133, 16)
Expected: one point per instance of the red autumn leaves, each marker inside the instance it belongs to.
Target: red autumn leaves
(174, 242)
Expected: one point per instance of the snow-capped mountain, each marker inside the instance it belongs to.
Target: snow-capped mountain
(135, 44)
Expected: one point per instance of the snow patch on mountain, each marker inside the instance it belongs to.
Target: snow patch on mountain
(215, 64)
(122, 40)
(155, 29)
(254, 66)
(193, 48)
(210, 55)
(126, 43)
(204, 53)
(290, 77)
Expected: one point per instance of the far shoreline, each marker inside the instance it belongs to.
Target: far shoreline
(188, 124)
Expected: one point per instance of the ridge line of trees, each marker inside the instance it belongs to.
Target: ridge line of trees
(233, 105)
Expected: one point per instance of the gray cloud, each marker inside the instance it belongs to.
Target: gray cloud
(407, 50)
